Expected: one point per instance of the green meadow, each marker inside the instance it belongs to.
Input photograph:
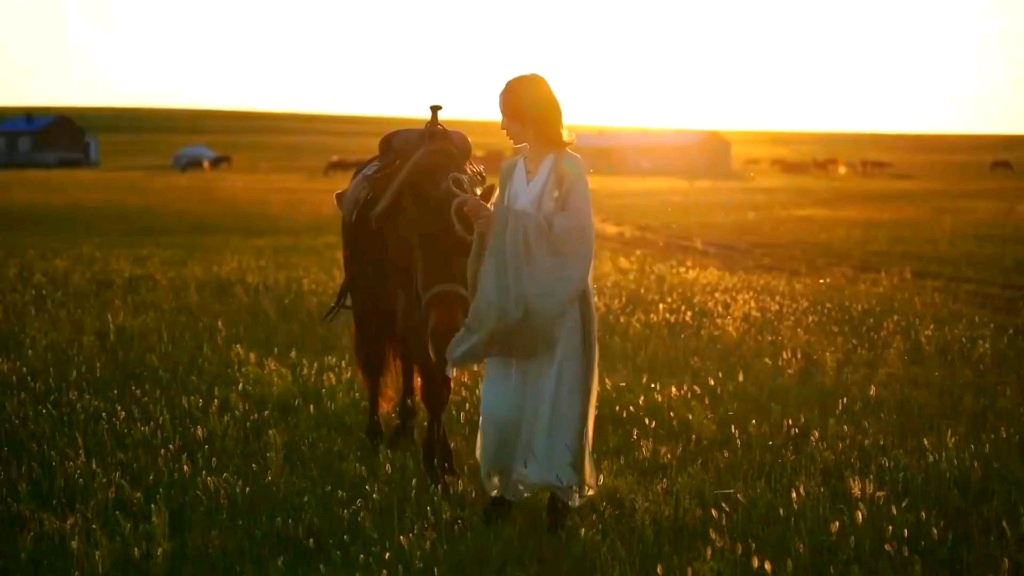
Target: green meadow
(801, 374)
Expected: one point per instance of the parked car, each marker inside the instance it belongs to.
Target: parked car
(199, 157)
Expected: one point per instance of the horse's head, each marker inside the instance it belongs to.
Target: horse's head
(420, 205)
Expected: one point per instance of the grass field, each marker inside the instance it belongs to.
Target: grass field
(801, 374)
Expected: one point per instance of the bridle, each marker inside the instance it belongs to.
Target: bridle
(459, 184)
(436, 290)
(462, 189)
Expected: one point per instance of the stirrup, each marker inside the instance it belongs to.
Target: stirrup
(339, 302)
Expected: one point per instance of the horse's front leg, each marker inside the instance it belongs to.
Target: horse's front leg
(437, 404)
(435, 390)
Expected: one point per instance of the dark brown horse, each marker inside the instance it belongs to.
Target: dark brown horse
(998, 165)
(405, 252)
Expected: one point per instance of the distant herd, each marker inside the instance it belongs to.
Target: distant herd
(491, 161)
(841, 167)
(827, 166)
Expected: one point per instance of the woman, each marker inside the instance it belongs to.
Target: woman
(532, 321)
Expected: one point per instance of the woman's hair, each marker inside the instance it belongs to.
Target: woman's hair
(529, 100)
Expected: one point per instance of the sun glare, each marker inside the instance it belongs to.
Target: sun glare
(873, 65)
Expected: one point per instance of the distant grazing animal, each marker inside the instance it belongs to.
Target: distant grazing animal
(221, 160)
(339, 164)
(870, 166)
(1000, 165)
(790, 167)
(844, 167)
(405, 249)
(826, 165)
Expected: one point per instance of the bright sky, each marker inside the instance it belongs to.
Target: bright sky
(818, 65)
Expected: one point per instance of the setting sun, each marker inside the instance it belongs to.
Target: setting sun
(795, 65)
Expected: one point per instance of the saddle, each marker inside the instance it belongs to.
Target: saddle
(351, 199)
(394, 150)
(400, 144)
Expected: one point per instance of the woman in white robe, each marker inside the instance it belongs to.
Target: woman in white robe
(532, 321)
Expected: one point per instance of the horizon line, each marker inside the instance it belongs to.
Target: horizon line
(4, 106)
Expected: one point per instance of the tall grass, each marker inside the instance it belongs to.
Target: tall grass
(171, 403)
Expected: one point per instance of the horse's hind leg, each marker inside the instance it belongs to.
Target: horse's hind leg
(406, 429)
(371, 354)
(374, 428)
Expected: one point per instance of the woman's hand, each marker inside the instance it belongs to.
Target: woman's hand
(480, 213)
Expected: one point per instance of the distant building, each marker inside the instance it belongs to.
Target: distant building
(46, 140)
(684, 153)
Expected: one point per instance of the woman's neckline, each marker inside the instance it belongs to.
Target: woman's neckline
(540, 167)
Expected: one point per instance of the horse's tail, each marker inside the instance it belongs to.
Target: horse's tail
(391, 380)
(376, 338)
(377, 356)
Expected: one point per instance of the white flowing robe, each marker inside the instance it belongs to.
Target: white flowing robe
(533, 325)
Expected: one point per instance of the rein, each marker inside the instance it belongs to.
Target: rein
(437, 289)
(462, 186)
(459, 183)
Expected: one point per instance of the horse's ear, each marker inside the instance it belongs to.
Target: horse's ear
(488, 193)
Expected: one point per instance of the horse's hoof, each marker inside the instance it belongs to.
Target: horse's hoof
(450, 471)
(402, 435)
(437, 480)
(445, 488)
(497, 509)
(375, 434)
(447, 464)
(557, 514)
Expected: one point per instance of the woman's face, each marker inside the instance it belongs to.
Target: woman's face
(515, 131)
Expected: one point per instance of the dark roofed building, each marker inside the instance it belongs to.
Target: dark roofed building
(46, 140)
